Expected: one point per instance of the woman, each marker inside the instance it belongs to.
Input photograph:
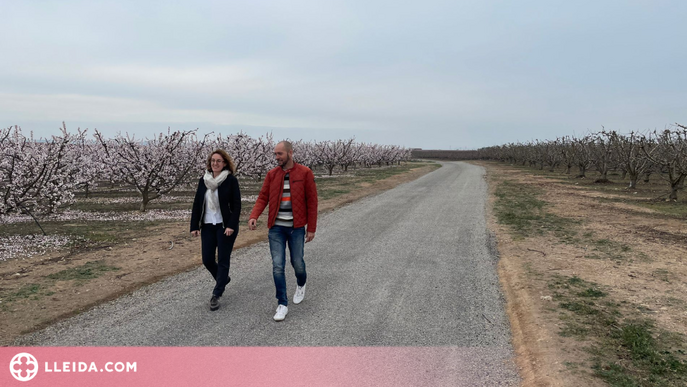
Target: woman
(215, 217)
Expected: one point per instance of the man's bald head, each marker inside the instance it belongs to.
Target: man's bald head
(288, 147)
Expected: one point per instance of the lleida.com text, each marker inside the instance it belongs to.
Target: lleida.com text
(81, 366)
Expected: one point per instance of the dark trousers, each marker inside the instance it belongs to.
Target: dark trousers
(213, 239)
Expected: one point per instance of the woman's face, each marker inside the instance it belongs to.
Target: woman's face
(217, 163)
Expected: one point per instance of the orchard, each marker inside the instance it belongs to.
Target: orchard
(635, 156)
(77, 177)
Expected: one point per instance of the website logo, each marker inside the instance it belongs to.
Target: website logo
(24, 367)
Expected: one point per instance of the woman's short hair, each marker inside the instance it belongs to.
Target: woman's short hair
(227, 159)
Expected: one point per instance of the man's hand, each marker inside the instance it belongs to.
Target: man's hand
(252, 224)
(228, 231)
(195, 233)
(309, 236)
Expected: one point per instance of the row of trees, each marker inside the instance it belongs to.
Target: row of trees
(253, 156)
(634, 155)
(41, 175)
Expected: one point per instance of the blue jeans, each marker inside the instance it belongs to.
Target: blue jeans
(213, 240)
(279, 237)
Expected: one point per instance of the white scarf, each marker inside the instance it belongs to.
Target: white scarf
(212, 183)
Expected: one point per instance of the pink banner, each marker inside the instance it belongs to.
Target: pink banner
(245, 366)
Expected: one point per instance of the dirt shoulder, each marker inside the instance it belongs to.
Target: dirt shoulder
(629, 258)
(61, 284)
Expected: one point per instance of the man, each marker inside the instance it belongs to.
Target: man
(290, 191)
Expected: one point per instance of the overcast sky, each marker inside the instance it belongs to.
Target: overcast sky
(430, 74)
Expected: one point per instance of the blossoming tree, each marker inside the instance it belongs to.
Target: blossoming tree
(153, 166)
(38, 175)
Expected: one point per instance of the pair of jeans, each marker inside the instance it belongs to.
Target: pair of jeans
(280, 237)
(213, 239)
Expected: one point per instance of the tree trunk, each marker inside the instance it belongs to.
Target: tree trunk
(583, 171)
(144, 201)
(34, 218)
(603, 178)
(633, 180)
(676, 186)
(673, 193)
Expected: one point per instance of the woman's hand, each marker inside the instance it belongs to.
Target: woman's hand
(195, 233)
(228, 231)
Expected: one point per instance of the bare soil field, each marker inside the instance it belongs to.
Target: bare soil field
(594, 279)
(40, 290)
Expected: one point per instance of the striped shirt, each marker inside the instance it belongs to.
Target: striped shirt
(285, 214)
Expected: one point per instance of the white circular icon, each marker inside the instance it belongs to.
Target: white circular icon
(24, 367)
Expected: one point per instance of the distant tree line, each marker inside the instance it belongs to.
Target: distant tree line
(448, 155)
(634, 155)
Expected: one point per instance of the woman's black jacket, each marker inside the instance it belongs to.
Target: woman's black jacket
(229, 204)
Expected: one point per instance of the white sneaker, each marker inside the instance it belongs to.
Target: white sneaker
(300, 293)
(282, 310)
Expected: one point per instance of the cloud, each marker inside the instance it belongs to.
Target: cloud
(85, 108)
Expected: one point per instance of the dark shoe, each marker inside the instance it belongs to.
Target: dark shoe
(214, 303)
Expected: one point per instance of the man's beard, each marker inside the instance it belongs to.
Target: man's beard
(286, 161)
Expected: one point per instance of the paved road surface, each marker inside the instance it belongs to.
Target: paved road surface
(412, 267)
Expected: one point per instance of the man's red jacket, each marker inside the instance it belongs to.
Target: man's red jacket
(303, 196)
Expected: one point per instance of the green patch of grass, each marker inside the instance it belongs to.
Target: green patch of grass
(85, 233)
(614, 374)
(332, 193)
(580, 308)
(371, 175)
(626, 352)
(328, 188)
(102, 237)
(673, 209)
(86, 271)
(673, 301)
(661, 274)
(592, 292)
(644, 309)
(26, 291)
(608, 249)
(518, 206)
(648, 361)
(646, 194)
(574, 329)
(571, 365)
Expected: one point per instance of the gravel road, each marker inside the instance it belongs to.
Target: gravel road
(412, 267)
